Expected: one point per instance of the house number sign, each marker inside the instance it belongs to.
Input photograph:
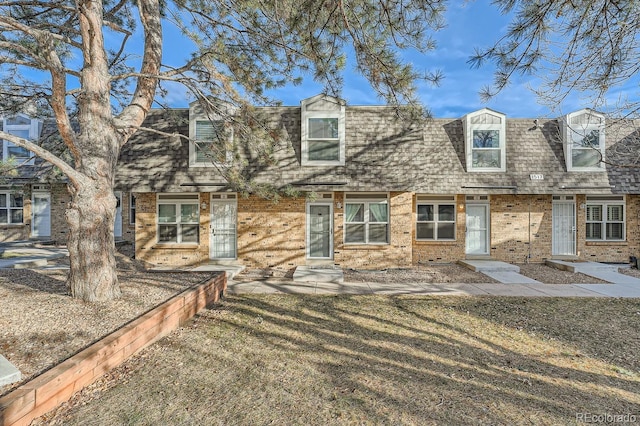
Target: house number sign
(536, 176)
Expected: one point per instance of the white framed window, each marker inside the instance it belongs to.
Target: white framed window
(605, 219)
(178, 218)
(11, 208)
(323, 131)
(211, 143)
(436, 218)
(485, 141)
(366, 219)
(132, 208)
(584, 140)
(23, 127)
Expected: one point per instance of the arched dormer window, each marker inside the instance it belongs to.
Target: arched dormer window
(583, 140)
(485, 141)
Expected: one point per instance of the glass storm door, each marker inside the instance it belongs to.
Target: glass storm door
(477, 229)
(117, 224)
(223, 229)
(319, 232)
(564, 229)
(41, 214)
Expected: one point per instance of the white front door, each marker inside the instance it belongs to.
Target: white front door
(41, 211)
(223, 229)
(477, 229)
(319, 231)
(563, 239)
(117, 223)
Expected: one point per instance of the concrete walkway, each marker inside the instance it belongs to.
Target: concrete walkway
(287, 286)
(503, 272)
(23, 257)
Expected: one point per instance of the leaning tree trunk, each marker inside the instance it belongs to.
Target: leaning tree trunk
(92, 275)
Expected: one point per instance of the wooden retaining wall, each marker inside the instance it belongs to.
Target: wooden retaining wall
(55, 386)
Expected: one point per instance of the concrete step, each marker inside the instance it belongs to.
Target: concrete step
(318, 274)
(485, 266)
(8, 372)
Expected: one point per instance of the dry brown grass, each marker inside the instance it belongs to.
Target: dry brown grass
(267, 359)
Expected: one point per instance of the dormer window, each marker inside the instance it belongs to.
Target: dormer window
(583, 135)
(485, 143)
(323, 131)
(211, 139)
(23, 127)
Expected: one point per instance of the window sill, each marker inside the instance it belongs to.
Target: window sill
(436, 242)
(12, 225)
(607, 243)
(364, 246)
(176, 246)
(322, 163)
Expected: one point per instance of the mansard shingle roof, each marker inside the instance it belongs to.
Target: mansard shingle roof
(383, 153)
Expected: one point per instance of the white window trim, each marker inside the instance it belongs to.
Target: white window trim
(306, 115)
(132, 209)
(33, 128)
(177, 201)
(581, 129)
(435, 203)
(469, 127)
(604, 202)
(193, 162)
(8, 208)
(366, 222)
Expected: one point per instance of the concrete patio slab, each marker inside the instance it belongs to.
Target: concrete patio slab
(8, 372)
(231, 269)
(318, 274)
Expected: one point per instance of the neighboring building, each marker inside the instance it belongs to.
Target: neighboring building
(378, 191)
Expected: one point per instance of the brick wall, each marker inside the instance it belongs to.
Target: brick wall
(610, 251)
(271, 234)
(60, 199)
(521, 228)
(397, 254)
(22, 231)
(425, 252)
(147, 247)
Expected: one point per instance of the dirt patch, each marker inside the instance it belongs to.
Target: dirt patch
(549, 275)
(40, 325)
(448, 273)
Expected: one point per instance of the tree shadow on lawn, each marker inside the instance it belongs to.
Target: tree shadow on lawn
(374, 359)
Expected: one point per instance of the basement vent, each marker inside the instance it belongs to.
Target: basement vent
(40, 187)
(477, 198)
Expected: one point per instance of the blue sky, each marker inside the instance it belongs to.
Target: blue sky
(470, 24)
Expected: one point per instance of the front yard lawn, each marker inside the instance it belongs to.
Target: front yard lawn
(317, 360)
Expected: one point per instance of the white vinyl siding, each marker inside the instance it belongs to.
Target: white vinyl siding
(22, 127)
(485, 135)
(366, 219)
(605, 219)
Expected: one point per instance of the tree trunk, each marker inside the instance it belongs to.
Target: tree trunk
(93, 275)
